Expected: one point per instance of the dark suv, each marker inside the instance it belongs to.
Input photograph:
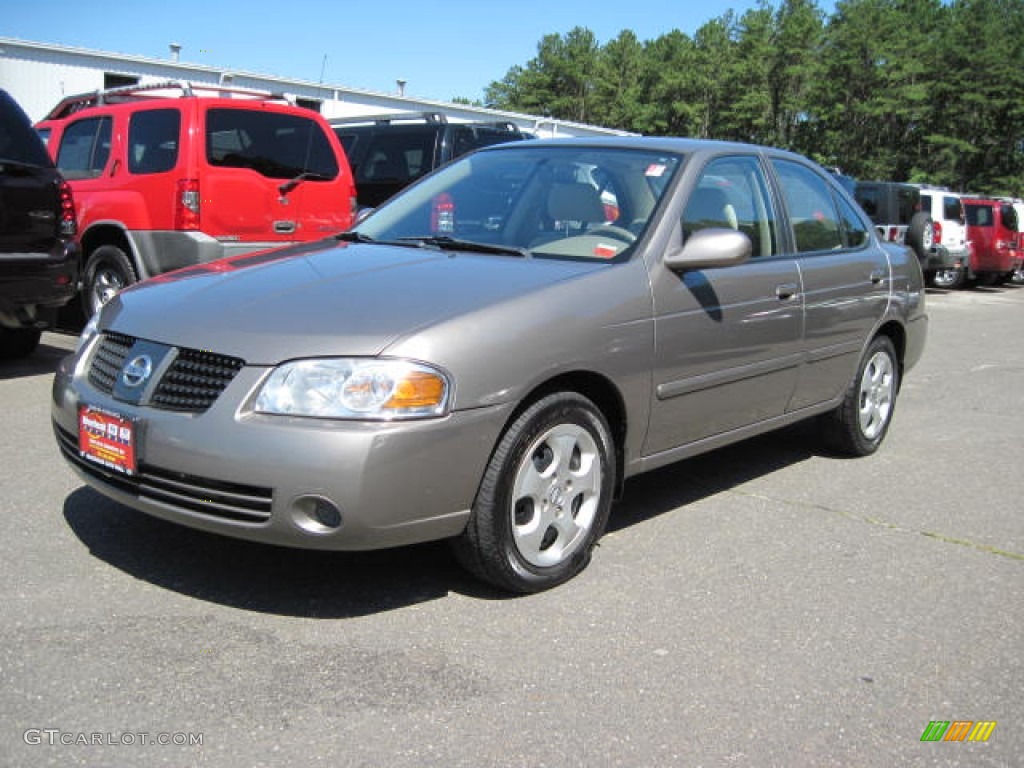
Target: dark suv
(389, 152)
(895, 210)
(39, 258)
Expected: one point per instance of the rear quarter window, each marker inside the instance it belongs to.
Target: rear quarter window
(811, 207)
(85, 148)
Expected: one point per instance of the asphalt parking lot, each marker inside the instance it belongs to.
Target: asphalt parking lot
(764, 605)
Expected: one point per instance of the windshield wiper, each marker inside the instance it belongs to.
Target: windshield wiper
(291, 184)
(449, 243)
(353, 236)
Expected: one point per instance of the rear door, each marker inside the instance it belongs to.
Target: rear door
(846, 280)
(270, 176)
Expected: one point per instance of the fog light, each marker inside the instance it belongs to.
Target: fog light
(316, 514)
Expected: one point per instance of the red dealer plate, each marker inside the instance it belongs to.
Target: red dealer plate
(106, 439)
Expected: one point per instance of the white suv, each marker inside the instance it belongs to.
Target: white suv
(950, 252)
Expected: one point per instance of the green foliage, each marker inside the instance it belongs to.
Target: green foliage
(919, 90)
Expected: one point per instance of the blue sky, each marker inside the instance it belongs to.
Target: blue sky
(443, 49)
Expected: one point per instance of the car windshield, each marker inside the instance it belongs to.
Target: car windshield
(543, 200)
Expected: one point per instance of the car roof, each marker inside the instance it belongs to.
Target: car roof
(678, 145)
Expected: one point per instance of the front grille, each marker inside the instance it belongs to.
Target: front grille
(192, 383)
(177, 490)
(195, 380)
(111, 352)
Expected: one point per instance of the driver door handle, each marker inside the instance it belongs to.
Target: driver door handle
(786, 290)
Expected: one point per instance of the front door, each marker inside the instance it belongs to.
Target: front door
(727, 348)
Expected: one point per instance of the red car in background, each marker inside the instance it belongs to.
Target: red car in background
(992, 230)
(170, 175)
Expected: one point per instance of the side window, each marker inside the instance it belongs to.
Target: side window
(909, 203)
(855, 234)
(979, 215)
(952, 209)
(397, 157)
(926, 204)
(153, 141)
(732, 194)
(467, 139)
(812, 209)
(867, 197)
(1009, 217)
(85, 148)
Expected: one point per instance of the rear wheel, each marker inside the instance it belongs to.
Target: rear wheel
(107, 272)
(860, 423)
(18, 342)
(544, 498)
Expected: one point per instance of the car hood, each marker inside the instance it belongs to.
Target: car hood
(322, 299)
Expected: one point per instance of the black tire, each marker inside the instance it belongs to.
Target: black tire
(18, 342)
(949, 278)
(107, 271)
(544, 498)
(920, 234)
(859, 425)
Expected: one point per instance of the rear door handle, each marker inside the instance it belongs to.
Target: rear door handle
(786, 290)
(876, 276)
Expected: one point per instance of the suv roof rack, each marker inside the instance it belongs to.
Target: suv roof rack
(428, 117)
(433, 118)
(125, 93)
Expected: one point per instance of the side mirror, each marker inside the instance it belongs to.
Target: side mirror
(710, 248)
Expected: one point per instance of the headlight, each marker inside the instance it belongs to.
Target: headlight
(355, 388)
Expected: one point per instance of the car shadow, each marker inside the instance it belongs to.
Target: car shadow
(677, 485)
(336, 585)
(43, 361)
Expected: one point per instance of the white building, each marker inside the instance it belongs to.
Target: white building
(39, 75)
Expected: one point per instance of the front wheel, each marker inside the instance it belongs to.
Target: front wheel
(860, 423)
(107, 272)
(544, 499)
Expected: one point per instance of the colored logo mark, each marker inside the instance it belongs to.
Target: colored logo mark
(958, 730)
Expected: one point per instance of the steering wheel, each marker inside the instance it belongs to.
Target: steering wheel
(619, 233)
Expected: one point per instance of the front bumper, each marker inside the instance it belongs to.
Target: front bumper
(164, 251)
(266, 478)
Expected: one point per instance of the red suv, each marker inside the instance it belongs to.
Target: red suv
(992, 230)
(165, 178)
